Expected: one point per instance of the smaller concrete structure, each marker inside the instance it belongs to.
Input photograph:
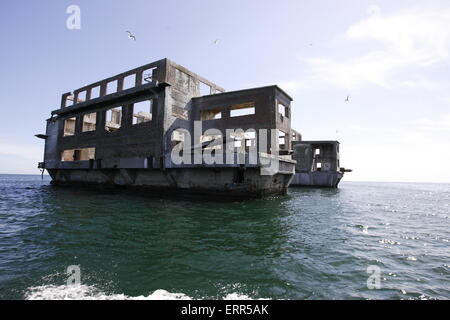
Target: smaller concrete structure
(317, 164)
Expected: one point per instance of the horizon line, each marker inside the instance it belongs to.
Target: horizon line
(376, 181)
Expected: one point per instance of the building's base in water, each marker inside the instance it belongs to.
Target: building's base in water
(225, 182)
(317, 179)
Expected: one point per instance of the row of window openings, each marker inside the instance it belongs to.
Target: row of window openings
(249, 140)
(238, 110)
(112, 87)
(142, 112)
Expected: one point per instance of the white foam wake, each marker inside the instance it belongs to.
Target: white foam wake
(84, 292)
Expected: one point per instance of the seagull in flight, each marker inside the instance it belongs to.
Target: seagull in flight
(131, 36)
(216, 41)
(348, 99)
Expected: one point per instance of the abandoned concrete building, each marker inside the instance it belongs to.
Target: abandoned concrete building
(317, 164)
(123, 130)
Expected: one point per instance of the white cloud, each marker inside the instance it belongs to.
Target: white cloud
(416, 36)
(411, 39)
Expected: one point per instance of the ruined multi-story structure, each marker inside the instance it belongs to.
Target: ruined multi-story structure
(132, 129)
(122, 130)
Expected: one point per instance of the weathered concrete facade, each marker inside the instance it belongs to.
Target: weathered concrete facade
(122, 131)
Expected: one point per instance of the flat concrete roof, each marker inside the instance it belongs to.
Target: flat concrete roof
(244, 90)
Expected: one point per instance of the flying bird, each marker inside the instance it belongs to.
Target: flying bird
(131, 36)
(348, 99)
(216, 41)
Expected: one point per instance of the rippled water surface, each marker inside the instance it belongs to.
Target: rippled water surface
(311, 244)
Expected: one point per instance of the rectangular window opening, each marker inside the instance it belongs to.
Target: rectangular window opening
(283, 110)
(142, 111)
(81, 97)
(149, 75)
(111, 87)
(81, 154)
(205, 89)
(129, 82)
(89, 122)
(282, 139)
(113, 119)
(210, 114)
(69, 127)
(95, 92)
(69, 101)
(244, 109)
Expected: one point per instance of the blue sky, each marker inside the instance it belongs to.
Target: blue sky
(391, 57)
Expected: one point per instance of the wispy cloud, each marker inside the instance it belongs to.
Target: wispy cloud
(412, 39)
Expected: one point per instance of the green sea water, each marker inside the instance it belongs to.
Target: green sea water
(310, 244)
